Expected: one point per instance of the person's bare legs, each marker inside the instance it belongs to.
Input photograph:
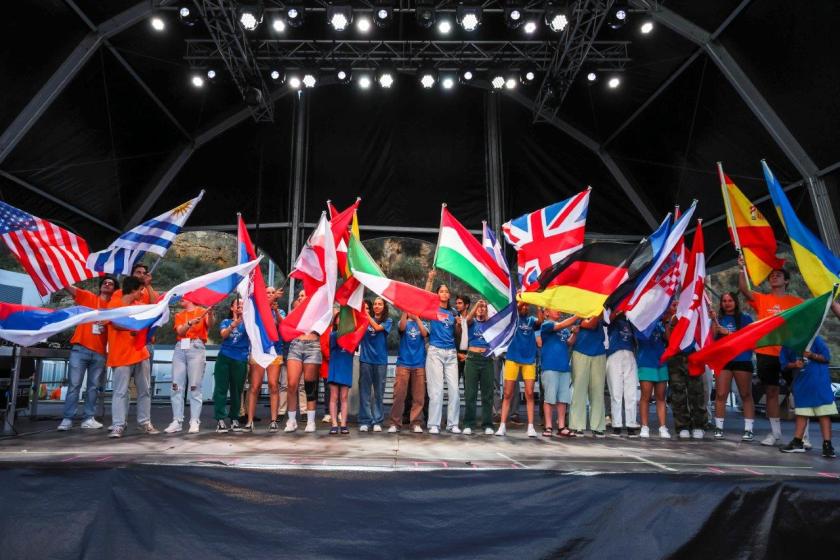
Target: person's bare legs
(561, 415)
(344, 392)
(529, 400)
(659, 391)
(825, 427)
(273, 372)
(644, 401)
(722, 385)
(334, 396)
(547, 415)
(743, 380)
(310, 373)
(294, 368)
(255, 377)
(507, 396)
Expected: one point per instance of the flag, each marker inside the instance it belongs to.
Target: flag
(317, 268)
(264, 318)
(461, 254)
(820, 268)
(352, 323)
(29, 325)
(547, 236)
(411, 299)
(795, 328)
(493, 247)
(52, 256)
(501, 325)
(750, 231)
(339, 223)
(154, 236)
(582, 282)
(694, 327)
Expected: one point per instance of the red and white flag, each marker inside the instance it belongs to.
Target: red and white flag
(53, 257)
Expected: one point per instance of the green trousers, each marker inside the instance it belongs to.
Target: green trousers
(589, 374)
(688, 397)
(229, 376)
(478, 370)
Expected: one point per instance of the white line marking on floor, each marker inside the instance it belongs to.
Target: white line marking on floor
(654, 463)
(514, 461)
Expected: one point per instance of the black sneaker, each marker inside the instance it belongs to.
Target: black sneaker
(632, 432)
(221, 427)
(719, 433)
(795, 446)
(577, 433)
(597, 434)
(828, 450)
(616, 432)
(273, 427)
(234, 426)
(748, 436)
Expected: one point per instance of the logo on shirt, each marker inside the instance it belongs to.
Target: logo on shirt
(412, 332)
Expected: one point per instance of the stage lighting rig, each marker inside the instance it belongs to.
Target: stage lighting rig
(339, 15)
(514, 14)
(468, 17)
(295, 14)
(447, 82)
(197, 81)
(646, 27)
(363, 24)
(250, 15)
(187, 16)
(497, 80)
(428, 77)
(614, 82)
(211, 74)
(386, 77)
(344, 75)
(425, 13)
(383, 13)
(556, 18)
(278, 25)
(527, 76)
(364, 81)
(444, 27)
(530, 27)
(466, 75)
(157, 23)
(619, 15)
(310, 78)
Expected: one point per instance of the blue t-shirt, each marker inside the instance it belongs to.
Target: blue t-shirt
(651, 348)
(476, 334)
(442, 333)
(412, 346)
(278, 346)
(728, 322)
(340, 367)
(590, 342)
(621, 336)
(523, 347)
(375, 344)
(555, 347)
(236, 346)
(812, 383)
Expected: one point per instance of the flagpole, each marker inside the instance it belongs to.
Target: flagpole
(440, 231)
(730, 218)
(160, 257)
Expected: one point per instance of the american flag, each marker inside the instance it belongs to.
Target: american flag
(547, 236)
(52, 256)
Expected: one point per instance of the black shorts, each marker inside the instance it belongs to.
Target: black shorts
(770, 370)
(739, 365)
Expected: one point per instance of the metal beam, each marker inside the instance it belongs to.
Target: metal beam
(65, 74)
(58, 201)
(493, 158)
(168, 173)
(300, 125)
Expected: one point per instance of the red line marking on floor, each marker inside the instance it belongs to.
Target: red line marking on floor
(716, 470)
(752, 471)
(829, 474)
(104, 458)
(444, 463)
(73, 458)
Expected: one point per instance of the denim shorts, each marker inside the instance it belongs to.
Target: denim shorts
(305, 351)
(557, 386)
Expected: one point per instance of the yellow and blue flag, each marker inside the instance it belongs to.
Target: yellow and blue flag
(820, 268)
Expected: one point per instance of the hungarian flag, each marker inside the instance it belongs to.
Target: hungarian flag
(411, 299)
(750, 231)
(582, 282)
(794, 328)
(461, 254)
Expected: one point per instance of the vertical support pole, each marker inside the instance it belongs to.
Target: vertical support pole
(299, 125)
(36, 388)
(9, 425)
(493, 158)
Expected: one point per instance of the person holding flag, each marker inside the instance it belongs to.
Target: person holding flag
(256, 372)
(442, 362)
(230, 369)
(522, 356)
(589, 372)
(478, 371)
(410, 373)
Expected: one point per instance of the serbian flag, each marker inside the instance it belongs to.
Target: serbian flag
(694, 327)
(794, 328)
(246, 253)
(749, 230)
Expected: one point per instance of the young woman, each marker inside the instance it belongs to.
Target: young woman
(373, 365)
(478, 371)
(340, 379)
(304, 358)
(727, 321)
(653, 378)
(622, 376)
(188, 361)
(411, 371)
(589, 372)
(521, 356)
(256, 373)
(556, 336)
(230, 369)
(442, 363)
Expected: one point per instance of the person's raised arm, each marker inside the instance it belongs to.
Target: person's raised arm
(742, 280)
(591, 323)
(403, 321)
(568, 322)
(376, 326)
(424, 332)
(72, 290)
(430, 280)
(471, 314)
(225, 332)
(540, 317)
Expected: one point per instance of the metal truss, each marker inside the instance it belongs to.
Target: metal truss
(585, 20)
(234, 49)
(407, 55)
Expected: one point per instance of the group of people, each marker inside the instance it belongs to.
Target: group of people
(574, 357)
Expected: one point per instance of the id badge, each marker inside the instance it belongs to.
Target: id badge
(185, 343)
(96, 328)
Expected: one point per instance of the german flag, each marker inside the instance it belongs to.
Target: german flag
(582, 282)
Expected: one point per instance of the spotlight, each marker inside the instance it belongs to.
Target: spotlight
(647, 27)
(513, 15)
(197, 81)
(510, 83)
(250, 16)
(468, 17)
(591, 77)
(157, 23)
(364, 82)
(614, 82)
(555, 17)
(428, 77)
(187, 16)
(618, 16)
(383, 16)
(530, 27)
(211, 74)
(294, 82)
(497, 81)
(363, 24)
(466, 75)
(310, 78)
(343, 75)
(339, 16)
(275, 75)
(527, 77)
(386, 78)
(448, 82)
(253, 96)
(444, 27)
(279, 25)
(295, 14)
(425, 13)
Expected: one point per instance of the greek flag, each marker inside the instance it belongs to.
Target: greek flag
(501, 326)
(154, 236)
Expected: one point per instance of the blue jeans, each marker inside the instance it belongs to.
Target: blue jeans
(371, 375)
(83, 359)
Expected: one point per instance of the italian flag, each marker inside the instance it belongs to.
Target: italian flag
(461, 254)
(794, 328)
(411, 299)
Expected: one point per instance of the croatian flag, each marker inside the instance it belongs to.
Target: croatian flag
(154, 236)
(501, 326)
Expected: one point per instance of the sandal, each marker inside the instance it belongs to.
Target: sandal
(345, 430)
(547, 432)
(564, 432)
(334, 430)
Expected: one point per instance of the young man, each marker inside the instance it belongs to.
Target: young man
(87, 355)
(462, 308)
(127, 361)
(767, 358)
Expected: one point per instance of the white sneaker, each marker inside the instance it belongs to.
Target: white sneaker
(117, 432)
(175, 426)
(501, 431)
(664, 433)
(467, 431)
(488, 431)
(418, 429)
(65, 425)
(434, 430)
(364, 428)
(291, 425)
(393, 430)
(684, 434)
(149, 429)
(377, 428)
(453, 429)
(91, 424)
(806, 442)
(771, 440)
(531, 431)
(310, 427)
(194, 426)
(327, 419)
(644, 432)
(697, 434)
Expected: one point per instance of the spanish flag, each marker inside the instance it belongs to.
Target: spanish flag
(820, 268)
(750, 231)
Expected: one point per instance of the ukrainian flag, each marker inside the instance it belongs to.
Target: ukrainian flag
(820, 268)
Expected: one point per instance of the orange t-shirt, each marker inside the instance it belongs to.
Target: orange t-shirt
(85, 334)
(767, 305)
(121, 350)
(144, 299)
(199, 330)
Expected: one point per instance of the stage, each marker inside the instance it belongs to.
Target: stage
(308, 495)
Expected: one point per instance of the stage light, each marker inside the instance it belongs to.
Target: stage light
(187, 17)
(425, 13)
(250, 16)
(279, 25)
(197, 81)
(510, 83)
(497, 81)
(211, 74)
(294, 82)
(591, 77)
(614, 82)
(344, 75)
(530, 27)
(428, 77)
(364, 82)
(448, 82)
(383, 15)
(444, 27)
(310, 78)
(157, 23)
(647, 27)
(466, 75)
(295, 14)
(385, 77)
(618, 16)
(555, 17)
(513, 15)
(363, 24)
(527, 77)
(340, 16)
(275, 75)
(468, 17)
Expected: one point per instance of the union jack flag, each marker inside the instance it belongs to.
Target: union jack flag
(546, 236)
